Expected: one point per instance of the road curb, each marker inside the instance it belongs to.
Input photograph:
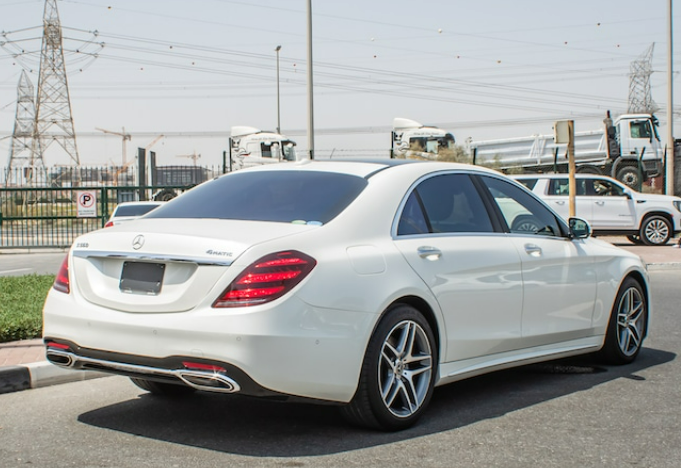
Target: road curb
(664, 266)
(14, 379)
(40, 374)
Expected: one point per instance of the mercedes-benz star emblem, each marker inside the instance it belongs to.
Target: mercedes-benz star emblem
(138, 242)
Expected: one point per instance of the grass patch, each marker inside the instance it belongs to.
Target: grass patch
(21, 306)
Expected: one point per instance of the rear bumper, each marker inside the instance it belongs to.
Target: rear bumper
(201, 374)
(289, 349)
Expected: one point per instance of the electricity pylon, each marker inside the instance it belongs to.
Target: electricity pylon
(53, 122)
(640, 98)
(21, 152)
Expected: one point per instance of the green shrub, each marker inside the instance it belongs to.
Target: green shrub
(21, 305)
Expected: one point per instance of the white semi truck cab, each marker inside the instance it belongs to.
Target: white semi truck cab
(250, 146)
(412, 139)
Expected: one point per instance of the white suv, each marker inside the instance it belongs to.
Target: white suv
(611, 207)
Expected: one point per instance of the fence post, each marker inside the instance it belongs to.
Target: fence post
(104, 192)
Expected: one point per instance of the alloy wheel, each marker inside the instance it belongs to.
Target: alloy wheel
(657, 231)
(405, 368)
(630, 321)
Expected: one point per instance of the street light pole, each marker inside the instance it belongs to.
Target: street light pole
(310, 96)
(670, 173)
(278, 104)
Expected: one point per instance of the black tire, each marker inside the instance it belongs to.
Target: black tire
(655, 230)
(629, 176)
(163, 389)
(588, 170)
(398, 373)
(635, 240)
(627, 326)
(165, 195)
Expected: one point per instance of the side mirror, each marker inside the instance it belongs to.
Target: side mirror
(579, 229)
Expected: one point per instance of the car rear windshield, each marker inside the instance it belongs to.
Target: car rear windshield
(133, 210)
(305, 197)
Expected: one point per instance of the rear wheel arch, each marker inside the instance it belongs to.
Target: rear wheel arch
(428, 313)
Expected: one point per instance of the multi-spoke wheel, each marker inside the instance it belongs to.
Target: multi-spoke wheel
(655, 230)
(398, 373)
(628, 324)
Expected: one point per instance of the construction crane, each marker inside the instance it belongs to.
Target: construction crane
(126, 137)
(194, 157)
(153, 142)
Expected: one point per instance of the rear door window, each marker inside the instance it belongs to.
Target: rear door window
(444, 204)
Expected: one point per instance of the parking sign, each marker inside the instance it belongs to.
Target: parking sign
(87, 204)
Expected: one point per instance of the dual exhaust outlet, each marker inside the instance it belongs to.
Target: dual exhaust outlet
(206, 380)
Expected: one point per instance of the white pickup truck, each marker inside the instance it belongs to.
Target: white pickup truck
(611, 207)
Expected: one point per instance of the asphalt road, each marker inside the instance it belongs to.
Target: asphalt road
(565, 414)
(19, 264)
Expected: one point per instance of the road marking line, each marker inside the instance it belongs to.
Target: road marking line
(5, 272)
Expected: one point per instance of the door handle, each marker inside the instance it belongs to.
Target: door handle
(533, 250)
(600, 203)
(560, 202)
(429, 253)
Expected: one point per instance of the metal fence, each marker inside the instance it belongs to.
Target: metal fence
(49, 208)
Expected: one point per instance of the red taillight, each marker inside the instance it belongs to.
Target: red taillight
(61, 282)
(109, 224)
(267, 279)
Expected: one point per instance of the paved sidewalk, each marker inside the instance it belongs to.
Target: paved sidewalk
(23, 364)
(21, 352)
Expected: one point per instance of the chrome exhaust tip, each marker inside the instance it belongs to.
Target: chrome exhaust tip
(211, 382)
(59, 358)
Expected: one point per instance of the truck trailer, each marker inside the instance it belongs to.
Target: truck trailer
(628, 149)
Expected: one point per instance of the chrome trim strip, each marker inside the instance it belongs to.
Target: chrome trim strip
(228, 385)
(150, 257)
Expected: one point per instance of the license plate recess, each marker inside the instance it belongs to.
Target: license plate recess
(142, 278)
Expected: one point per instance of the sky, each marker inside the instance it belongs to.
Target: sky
(190, 70)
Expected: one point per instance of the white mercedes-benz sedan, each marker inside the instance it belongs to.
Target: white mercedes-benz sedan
(358, 283)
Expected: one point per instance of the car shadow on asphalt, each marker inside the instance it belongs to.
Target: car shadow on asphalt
(263, 428)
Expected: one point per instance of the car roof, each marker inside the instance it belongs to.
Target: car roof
(364, 167)
(559, 176)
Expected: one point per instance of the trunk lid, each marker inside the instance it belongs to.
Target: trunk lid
(164, 265)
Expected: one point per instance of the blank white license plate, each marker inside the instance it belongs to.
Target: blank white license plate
(142, 278)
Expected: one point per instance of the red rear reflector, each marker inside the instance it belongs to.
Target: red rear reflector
(61, 282)
(267, 279)
(204, 367)
(52, 344)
